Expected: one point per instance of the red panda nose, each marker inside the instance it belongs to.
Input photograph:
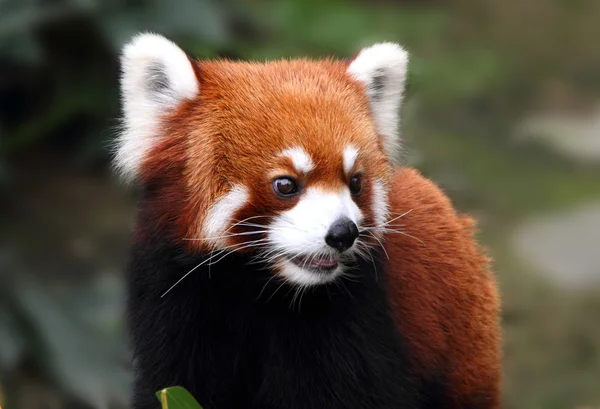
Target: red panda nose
(342, 234)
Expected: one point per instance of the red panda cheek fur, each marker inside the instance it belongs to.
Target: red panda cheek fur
(180, 196)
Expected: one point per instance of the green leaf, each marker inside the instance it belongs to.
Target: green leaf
(177, 397)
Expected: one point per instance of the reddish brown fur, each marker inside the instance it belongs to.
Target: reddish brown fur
(245, 115)
(443, 295)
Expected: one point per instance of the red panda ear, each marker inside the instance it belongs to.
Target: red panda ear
(382, 69)
(156, 77)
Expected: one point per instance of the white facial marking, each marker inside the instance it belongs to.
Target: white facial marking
(382, 70)
(302, 230)
(350, 155)
(221, 212)
(156, 77)
(298, 275)
(380, 205)
(301, 160)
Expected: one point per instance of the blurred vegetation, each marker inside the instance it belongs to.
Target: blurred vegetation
(478, 70)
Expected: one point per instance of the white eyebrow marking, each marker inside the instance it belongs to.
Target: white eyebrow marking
(350, 155)
(301, 160)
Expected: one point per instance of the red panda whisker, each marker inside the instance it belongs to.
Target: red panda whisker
(299, 293)
(387, 230)
(252, 225)
(310, 259)
(365, 252)
(350, 277)
(380, 243)
(394, 225)
(230, 252)
(337, 284)
(262, 259)
(246, 233)
(256, 259)
(267, 255)
(305, 289)
(368, 243)
(211, 255)
(392, 231)
(382, 227)
(273, 249)
(266, 284)
(239, 222)
(342, 285)
(228, 249)
(398, 217)
(239, 246)
(351, 257)
(297, 288)
(386, 226)
(264, 227)
(283, 282)
(247, 218)
(272, 227)
(209, 259)
(275, 258)
(361, 249)
(408, 235)
(187, 274)
(282, 253)
(401, 214)
(391, 220)
(272, 254)
(233, 246)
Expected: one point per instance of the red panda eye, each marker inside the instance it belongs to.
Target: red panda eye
(355, 184)
(285, 186)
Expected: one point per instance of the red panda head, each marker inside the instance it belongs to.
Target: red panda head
(288, 160)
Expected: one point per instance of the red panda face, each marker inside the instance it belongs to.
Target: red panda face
(289, 161)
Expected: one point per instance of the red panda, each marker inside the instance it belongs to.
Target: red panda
(281, 258)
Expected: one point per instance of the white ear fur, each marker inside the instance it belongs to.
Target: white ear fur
(156, 76)
(382, 69)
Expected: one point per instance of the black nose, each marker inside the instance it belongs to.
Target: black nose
(341, 234)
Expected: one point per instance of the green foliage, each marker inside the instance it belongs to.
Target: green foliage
(177, 397)
(37, 325)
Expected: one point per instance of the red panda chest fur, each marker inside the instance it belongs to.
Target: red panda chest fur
(280, 260)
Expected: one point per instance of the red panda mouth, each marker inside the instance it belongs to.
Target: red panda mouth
(316, 263)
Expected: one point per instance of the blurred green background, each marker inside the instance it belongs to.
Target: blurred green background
(502, 110)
